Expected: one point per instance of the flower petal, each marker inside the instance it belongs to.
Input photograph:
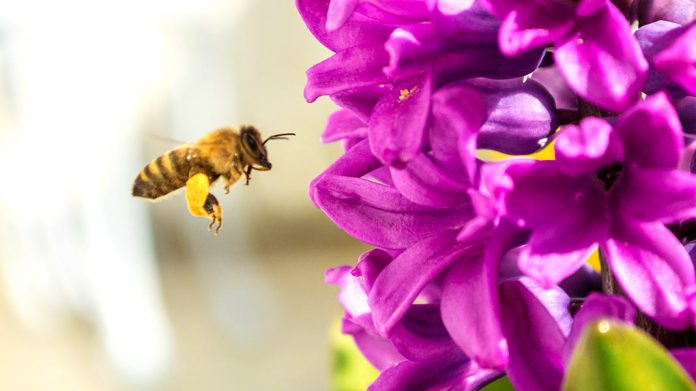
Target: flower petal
(652, 39)
(469, 302)
(531, 24)
(668, 196)
(380, 215)
(402, 280)
(424, 183)
(361, 100)
(651, 133)
(678, 61)
(397, 124)
(421, 335)
(380, 352)
(536, 323)
(356, 31)
(347, 70)
(343, 124)
(587, 148)
(602, 62)
(687, 359)
(452, 372)
(597, 306)
(654, 270)
(677, 11)
(521, 115)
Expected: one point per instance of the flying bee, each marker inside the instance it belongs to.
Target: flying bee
(225, 153)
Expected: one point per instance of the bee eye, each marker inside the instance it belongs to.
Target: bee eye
(250, 143)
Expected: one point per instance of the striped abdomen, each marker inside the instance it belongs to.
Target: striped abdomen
(163, 175)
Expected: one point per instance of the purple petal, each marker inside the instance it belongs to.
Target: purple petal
(438, 374)
(677, 11)
(654, 270)
(469, 303)
(687, 359)
(411, 48)
(402, 280)
(652, 39)
(667, 196)
(558, 248)
(541, 193)
(678, 61)
(352, 295)
(651, 133)
(424, 183)
(597, 306)
(361, 100)
(370, 265)
(602, 62)
(397, 124)
(521, 115)
(347, 70)
(358, 30)
(588, 148)
(686, 109)
(536, 323)
(339, 11)
(583, 282)
(553, 82)
(464, 22)
(355, 162)
(343, 124)
(421, 335)
(380, 215)
(531, 24)
(378, 351)
(458, 113)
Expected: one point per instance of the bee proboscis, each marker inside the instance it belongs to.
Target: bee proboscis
(225, 153)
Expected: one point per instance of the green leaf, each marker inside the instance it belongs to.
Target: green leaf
(502, 384)
(613, 356)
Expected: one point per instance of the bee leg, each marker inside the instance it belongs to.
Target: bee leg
(247, 174)
(200, 202)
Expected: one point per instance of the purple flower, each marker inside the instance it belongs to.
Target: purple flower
(612, 187)
(593, 46)
(670, 51)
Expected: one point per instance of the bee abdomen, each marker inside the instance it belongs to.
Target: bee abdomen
(163, 175)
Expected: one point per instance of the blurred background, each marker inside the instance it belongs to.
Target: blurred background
(100, 291)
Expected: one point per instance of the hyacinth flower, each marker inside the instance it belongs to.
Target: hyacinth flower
(612, 187)
(593, 46)
(389, 79)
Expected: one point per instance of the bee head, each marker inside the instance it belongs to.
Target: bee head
(254, 149)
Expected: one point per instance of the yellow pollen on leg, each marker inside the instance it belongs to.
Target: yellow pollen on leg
(406, 93)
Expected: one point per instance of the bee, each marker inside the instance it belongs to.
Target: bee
(225, 153)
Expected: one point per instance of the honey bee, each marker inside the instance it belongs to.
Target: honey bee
(225, 153)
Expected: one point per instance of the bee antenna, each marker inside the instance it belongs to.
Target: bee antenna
(279, 136)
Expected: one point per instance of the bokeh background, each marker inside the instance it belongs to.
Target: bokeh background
(100, 291)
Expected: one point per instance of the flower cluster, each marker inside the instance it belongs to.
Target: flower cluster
(480, 266)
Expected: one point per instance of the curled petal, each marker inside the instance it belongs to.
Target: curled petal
(654, 270)
(465, 22)
(668, 196)
(588, 147)
(339, 11)
(398, 122)
(352, 295)
(355, 162)
(455, 372)
(403, 279)
(602, 62)
(412, 47)
(421, 335)
(597, 306)
(378, 351)
(676, 11)
(521, 115)
(651, 133)
(470, 307)
(347, 70)
(531, 24)
(483, 61)
(458, 113)
(380, 215)
(361, 100)
(678, 61)
(424, 183)
(370, 265)
(536, 323)
(357, 30)
(553, 82)
(653, 39)
(343, 124)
